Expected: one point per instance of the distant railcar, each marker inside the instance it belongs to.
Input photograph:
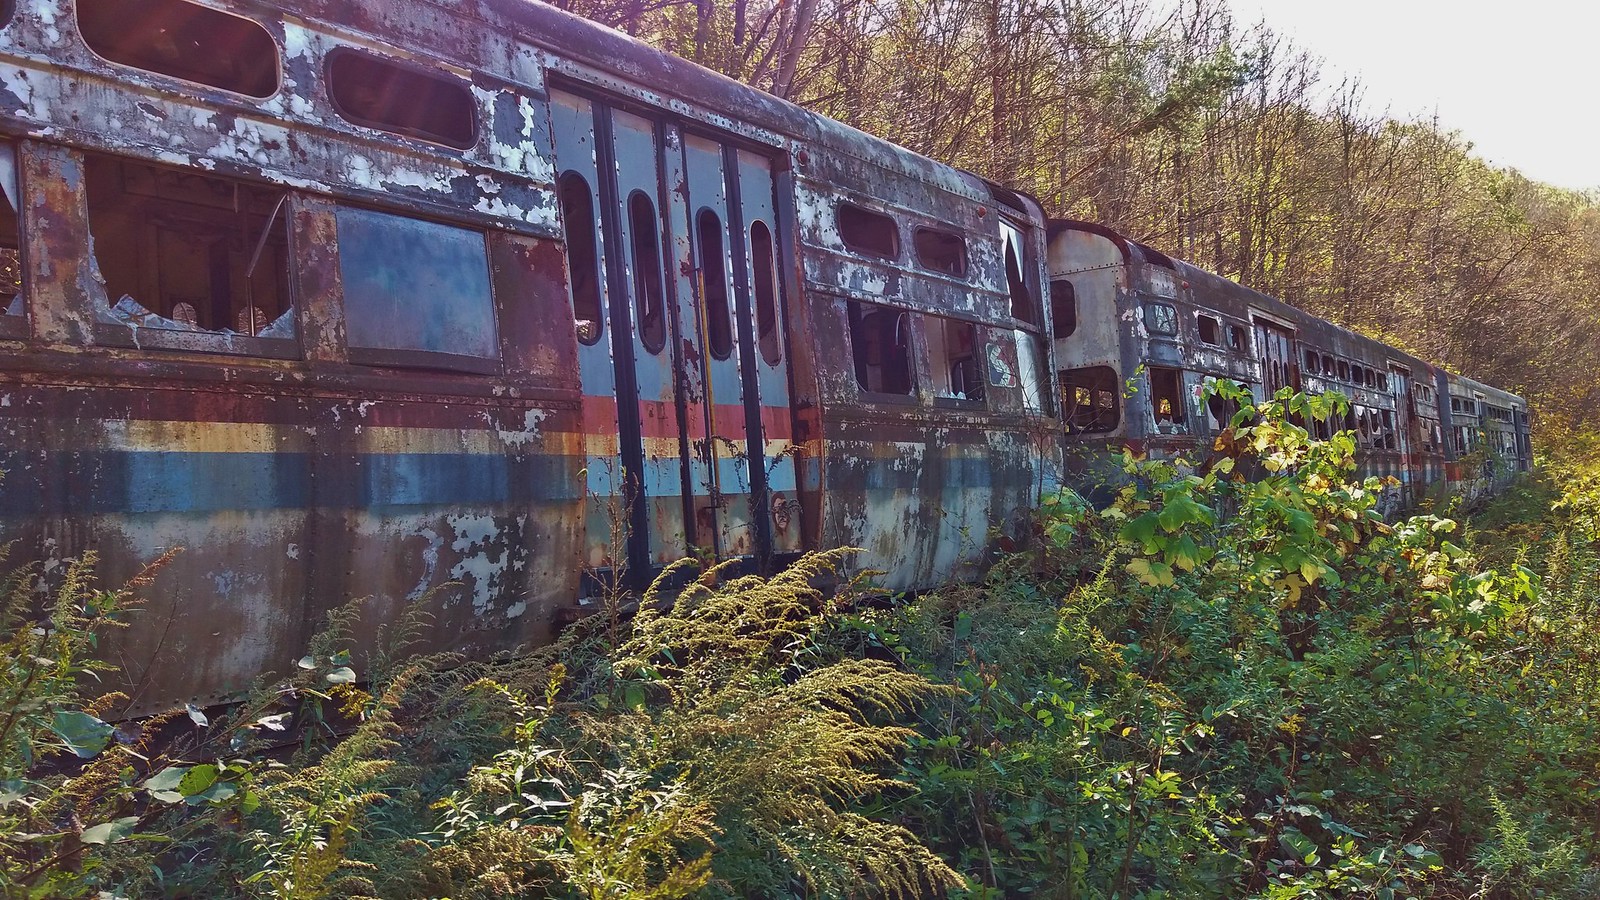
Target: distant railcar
(1138, 335)
(367, 298)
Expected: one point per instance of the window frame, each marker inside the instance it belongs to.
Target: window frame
(443, 76)
(961, 271)
(110, 333)
(860, 250)
(1070, 405)
(1056, 304)
(277, 51)
(1149, 306)
(435, 360)
(593, 244)
(979, 358)
(1200, 320)
(854, 316)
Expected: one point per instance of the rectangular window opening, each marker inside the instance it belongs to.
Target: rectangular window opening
(416, 293)
(1023, 308)
(12, 301)
(868, 232)
(1237, 338)
(402, 98)
(1160, 318)
(941, 251)
(880, 342)
(955, 358)
(1211, 330)
(1090, 400)
(1166, 398)
(183, 40)
(179, 251)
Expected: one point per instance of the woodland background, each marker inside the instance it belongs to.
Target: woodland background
(1212, 140)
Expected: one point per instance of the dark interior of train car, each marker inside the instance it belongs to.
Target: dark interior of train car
(189, 252)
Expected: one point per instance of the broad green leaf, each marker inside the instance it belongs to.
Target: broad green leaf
(197, 780)
(167, 779)
(83, 734)
(109, 832)
(342, 675)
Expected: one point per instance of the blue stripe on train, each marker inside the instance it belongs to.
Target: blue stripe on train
(97, 482)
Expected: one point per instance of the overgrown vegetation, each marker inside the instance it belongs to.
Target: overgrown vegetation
(1214, 687)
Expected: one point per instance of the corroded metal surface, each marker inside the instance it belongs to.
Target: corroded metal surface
(300, 471)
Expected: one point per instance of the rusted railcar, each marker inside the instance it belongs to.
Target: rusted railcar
(357, 298)
(1138, 335)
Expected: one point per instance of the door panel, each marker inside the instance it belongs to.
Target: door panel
(771, 425)
(1275, 347)
(692, 361)
(1406, 428)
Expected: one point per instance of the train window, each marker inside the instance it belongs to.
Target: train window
(645, 238)
(764, 278)
(415, 287)
(1313, 366)
(1344, 370)
(864, 231)
(583, 255)
(184, 252)
(402, 98)
(11, 298)
(1089, 399)
(1063, 307)
(1016, 259)
(184, 40)
(1211, 330)
(714, 284)
(1220, 412)
(954, 358)
(1160, 318)
(1327, 365)
(1166, 396)
(1390, 440)
(1237, 338)
(880, 342)
(941, 251)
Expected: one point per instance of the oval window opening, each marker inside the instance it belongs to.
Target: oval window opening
(402, 99)
(714, 284)
(765, 278)
(183, 40)
(583, 256)
(646, 240)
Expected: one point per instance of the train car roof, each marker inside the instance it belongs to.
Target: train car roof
(628, 58)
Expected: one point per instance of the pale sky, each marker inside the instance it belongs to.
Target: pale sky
(1518, 79)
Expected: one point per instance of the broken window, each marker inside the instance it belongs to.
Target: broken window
(1211, 330)
(179, 251)
(941, 251)
(583, 255)
(954, 359)
(1160, 318)
(1016, 259)
(1220, 412)
(1089, 399)
(402, 98)
(645, 265)
(1166, 398)
(11, 298)
(868, 232)
(714, 284)
(1237, 339)
(880, 341)
(1344, 370)
(413, 286)
(1313, 363)
(764, 279)
(1390, 438)
(184, 40)
(1063, 307)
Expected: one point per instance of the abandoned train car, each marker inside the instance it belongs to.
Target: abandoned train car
(345, 310)
(1137, 336)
